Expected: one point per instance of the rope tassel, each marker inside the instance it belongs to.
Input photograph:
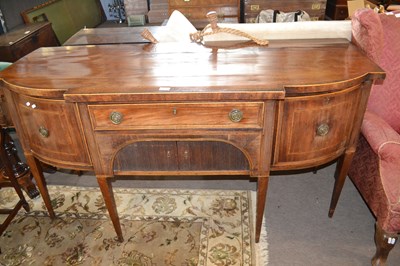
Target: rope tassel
(213, 28)
(146, 34)
(210, 29)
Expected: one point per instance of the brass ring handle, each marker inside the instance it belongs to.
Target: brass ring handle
(235, 115)
(116, 117)
(44, 132)
(322, 129)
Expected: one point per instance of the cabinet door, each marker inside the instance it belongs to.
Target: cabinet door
(53, 131)
(210, 155)
(179, 156)
(315, 129)
(147, 156)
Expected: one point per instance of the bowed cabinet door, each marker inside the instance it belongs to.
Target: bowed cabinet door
(314, 130)
(53, 131)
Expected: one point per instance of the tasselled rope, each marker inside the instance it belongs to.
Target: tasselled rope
(213, 28)
(210, 29)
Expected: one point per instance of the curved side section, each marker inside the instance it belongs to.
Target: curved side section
(63, 164)
(34, 91)
(316, 129)
(316, 89)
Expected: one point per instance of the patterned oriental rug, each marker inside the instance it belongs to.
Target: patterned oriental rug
(160, 228)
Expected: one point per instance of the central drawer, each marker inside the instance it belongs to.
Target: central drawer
(177, 116)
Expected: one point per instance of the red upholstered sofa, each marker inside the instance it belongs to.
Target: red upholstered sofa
(375, 169)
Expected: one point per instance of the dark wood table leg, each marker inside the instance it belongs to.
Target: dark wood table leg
(21, 170)
(262, 188)
(109, 200)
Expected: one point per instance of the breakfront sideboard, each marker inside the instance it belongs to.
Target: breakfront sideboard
(187, 109)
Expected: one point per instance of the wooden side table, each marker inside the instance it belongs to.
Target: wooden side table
(23, 40)
(337, 9)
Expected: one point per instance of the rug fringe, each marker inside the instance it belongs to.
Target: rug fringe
(262, 246)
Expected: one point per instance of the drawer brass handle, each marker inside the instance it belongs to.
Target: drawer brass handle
(235, 115)
(116, 117)
(44, 132)
(322, 129)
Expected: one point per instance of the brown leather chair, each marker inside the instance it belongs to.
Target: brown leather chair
(7, 179)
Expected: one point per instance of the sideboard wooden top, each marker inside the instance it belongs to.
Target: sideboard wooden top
(160, 71)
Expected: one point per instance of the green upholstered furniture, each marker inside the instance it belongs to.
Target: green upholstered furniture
(3, 65)
(67, 16)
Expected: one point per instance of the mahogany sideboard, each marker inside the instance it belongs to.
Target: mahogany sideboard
(187, 109)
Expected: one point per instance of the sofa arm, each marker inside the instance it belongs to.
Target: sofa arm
(367, 33)
(378, 132)
(385, 142)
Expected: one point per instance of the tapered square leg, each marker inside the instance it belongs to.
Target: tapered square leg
(109, 200)
(37, 173)
(261, 198)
